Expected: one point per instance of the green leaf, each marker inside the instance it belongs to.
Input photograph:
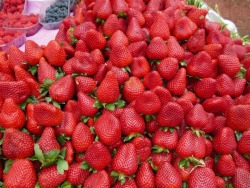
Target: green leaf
(8, 164)
(52, 155)
(1, 141)
(37, 185)
(24, 131)
(39, 153)
(61, 166)
(120, 104)
(229, 186)
(147, 118)
(66, 184)
(59, 73)
(238, 135)
(110, 107)
(97, 104)
(184, 185)
(33, 70)
(56, 104)
(48, 99)
(47, 83)
(183, 163)
(79, 186)
(85, 119)
(85, 165)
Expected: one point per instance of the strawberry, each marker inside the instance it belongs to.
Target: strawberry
(168, 68)
(167, 119)
(16, 57)
(73, 107)
(132, 89)
(58, 57)
(177, 85)
(97, 56)
(19, 91)
(134, 31)
(183, 171)
(45, 71)
(155, 5)
(240, 161)
(120, 56)
(229, 65)
(185, 103)
(242, 145)
(98, 179)
(77, 175)
(95, 40)
(184, 28)
(47, 141)
(21, 173)
(46, 114)
(33, 52)
(82, 138)
(145, 176)
(8, 77)
(239, 86)
(134, 11)
(220, 182)
(198, 16)
(205, 88)
(143, 147)
(108, 85)
(197, 42)
(224, 141)
(131, 122)
(61, 34)
(108, 129)
(147, 103)
(50, 177)
(138, 49)
(226, 166)
(101, 73)
(111, 25)
(103, 9)
(225, 85)
(217, 37)
(81, 46)
(216, 105)
(17, 144)
(214, 50)
(121, 75)
(81, 30)
(167, 176)
(174, 49)
(191, 145)
(198, 69)
(237, 117)
(157, 49)
(86, 104)
(85, 84)
(160, 28)
(67, 125)
(163, 94)
(202, 177)
(159, 158)
(118, 37)
(241, 178)
(152, 79)
(140, 67)
(69, 154)
(130, 182)
(120, 7)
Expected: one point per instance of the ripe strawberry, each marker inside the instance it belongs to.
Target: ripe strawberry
(167, 176)
(237, 117)
(16, 57)
(108, 129)
(33, 52)
(120, 7)
(111, 25)
(217, 37)
(86, 104)
(95, 40)
(224, 141)
(47, 141)
(98, 179)
(82, 138)
(50, 177)
(168, 68)
(101, 73)
(159, 158)
(216, 105)
(184, 28)
(226, 166)
(46, 114)
(198, 16)
(242, 145)
(121, 75)
(174, 49)
(67, 125)
(205, 88)
(131, 122)
(239, 86)
(81, 46)
(120, 55)
(108, 85)
(97, 56)
(202, 177)
(214, 50)
(45, 71)
(167, 119)
(183, 171)
(220, 182)
(102, 9)
(130, 182)
(21, 174)
(145, 176)
(155, 5)
(85, 84)
(19, 91)
(197, 42)
(118, 38)
(77, 175)
(195, 68)
(135, 11)
(138, 49)
(134, 31)
(6, 77)
(177, 85)
(229, 65)
(185, 103)
(69, 156)
(163, 94)
(132, 89)
(58, 57)
(11, 116)
(160, 28)
(225, 85)
(240, 161)
(139, 67)
(17, 144)
(143, 147)
(241, 178)
(81, 30)
(157, 49)
(73, 107)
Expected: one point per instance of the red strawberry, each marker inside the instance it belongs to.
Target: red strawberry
(202, 177)
(21, 173)
(145, 176)
(196, 42)
(120, 7)
(85, 84)
(214, 50)
(33, 52)
(152, 79)
(177, 85)
(242, 145)
(111, 25)
(135, 12)
(185, 103)
(77, 175)
(86, 104)
(163, 94)
(174, 49)
(226, 166)
(184, 28)
(148, 103)
(67, 125)
(216, 105)
(167, 176)
(229, 65)
(121, 75)
(138, 49)
(217, 37)
(73, 107)
(240, 161)
(118, 38)
(8, 77)
(50, 177)
(167, 119)
(225, 85)
(16, 57)
(81, 29)
(239, 86)
(159, 28)
(159, 158)
(58, 57)
(224, 141)
(19, 91)
(168, 68)
(143, 147)
(46, 114)
(120, 55)
(238, 117)
(98, 179)
(97, 56)
(82, 138)
(101, 73)
(140, 67)
(81, 46)
(95, 40)
(103, 9)
(134, 31)
(45, 71)
(108, 129)
(132, 89)
(155, 5)
(157, 49)
(205, 88)
(69, 156)
(130, 182)
(198, 16)
(17, 144)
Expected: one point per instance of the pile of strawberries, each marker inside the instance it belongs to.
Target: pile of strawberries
(131, 93)
(7, 35)
(12, 6)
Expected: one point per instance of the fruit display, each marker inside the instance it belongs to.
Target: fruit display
(12, 6)
(10, 37)
(130, 93)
